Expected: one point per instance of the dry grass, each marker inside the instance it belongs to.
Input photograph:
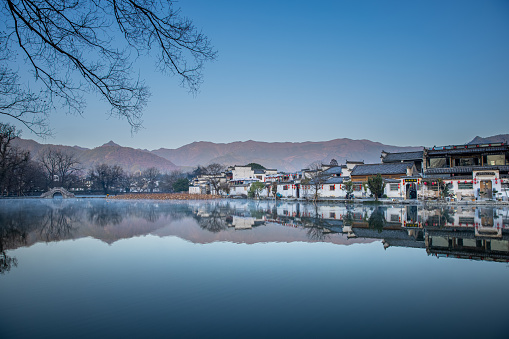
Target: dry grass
(164, 196)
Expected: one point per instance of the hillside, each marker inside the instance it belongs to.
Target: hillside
(283, 156)
(129, 159)
(492, 139)
(286, 156)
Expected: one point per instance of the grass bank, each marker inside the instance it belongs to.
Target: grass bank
(164, 196)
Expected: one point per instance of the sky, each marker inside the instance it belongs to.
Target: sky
(405, 73)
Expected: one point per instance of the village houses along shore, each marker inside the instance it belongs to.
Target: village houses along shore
(470, 173)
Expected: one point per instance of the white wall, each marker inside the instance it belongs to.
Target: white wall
(242, 172)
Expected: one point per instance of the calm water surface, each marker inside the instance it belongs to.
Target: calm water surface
(96, 268)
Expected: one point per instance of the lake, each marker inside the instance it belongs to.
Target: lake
(86, 268)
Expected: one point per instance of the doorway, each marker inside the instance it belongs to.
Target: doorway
(486, 189)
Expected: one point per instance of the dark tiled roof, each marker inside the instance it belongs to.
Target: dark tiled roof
(465, 169)
(333, 170)
(374, 169)
(406, 243)
(468, 150)
(448, 177)
(335, 180)
(258, 171)
(403, 156)
(387, 234)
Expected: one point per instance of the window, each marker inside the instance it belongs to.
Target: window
(357, 187)
(394, 187)
(332, 187)
(332, 215)
(466, 162)
(493, 160)
(465, 186)
(394, 218)
(432, 187)
(466, 220)
(437, 162)
(285, 188)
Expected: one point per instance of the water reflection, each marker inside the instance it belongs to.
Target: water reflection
(461, 232)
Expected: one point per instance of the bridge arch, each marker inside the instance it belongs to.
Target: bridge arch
(65, 193)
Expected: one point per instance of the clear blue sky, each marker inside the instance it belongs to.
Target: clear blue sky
(397, 72)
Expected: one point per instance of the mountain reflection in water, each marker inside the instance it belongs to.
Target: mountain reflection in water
(461, 232)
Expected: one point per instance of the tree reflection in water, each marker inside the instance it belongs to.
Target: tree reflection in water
(57, 224)
(377, 219)
(315, 227)
(104, 215)
(441, 216)
(31, 220)
(214, 219)
(14, 227)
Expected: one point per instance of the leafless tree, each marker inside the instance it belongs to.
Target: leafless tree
(11, 158)
(215, 175)
(107, 178)
(150, 177)
(59, 165)
(79, 46)
(169, 179)
(19, 102)
(316, 177)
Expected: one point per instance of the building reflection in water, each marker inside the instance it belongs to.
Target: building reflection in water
(480, 233)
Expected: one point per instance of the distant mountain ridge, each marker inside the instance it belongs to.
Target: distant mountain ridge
(492, 139)
(128, 158)
(283, 156)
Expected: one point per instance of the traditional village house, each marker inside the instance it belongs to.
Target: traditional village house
(244, 176)
(473, 171)
(331, 187)
(349, 166)
(288, 189)
(416, 157)
(393, 173)
(202, 183)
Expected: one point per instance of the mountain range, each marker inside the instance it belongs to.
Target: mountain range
(283, 156)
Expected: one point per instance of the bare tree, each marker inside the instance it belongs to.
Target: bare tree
(215, 175)
(59, 166)
(19, 103)
(168, 180)
(150, 177)
(107, 178)
(73, 47)
(11, 158)
(316, 178)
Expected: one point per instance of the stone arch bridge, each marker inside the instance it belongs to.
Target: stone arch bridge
(65, 193)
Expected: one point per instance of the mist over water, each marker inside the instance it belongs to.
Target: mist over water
(105, 268)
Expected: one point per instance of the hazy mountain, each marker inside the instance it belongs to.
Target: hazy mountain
(286, 156)
(130, 159)
(492, 139)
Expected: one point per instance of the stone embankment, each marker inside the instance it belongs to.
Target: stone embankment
(164, 196)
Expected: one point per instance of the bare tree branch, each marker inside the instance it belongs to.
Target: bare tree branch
(73, 47)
